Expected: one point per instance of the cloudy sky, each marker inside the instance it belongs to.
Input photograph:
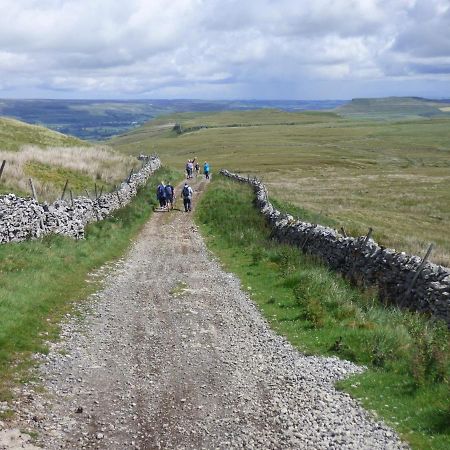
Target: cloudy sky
(224, 49)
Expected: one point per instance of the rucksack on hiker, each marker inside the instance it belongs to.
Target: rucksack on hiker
(161, 192)
(185, 192)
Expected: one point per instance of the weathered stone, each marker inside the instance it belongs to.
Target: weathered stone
(25, 218)
(361, 260)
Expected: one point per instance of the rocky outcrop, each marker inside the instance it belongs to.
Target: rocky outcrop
(25, 218)
(401, 279)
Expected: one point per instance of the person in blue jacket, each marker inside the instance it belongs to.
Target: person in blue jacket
(161, 194)
(170, 196)
(206, 170)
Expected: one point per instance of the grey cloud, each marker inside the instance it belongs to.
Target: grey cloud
(141, 47)
(429, 69)
(427, 33)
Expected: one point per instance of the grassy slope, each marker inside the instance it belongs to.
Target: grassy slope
(14, 134)
(392, 176)
(40, 280)
(393, 108)
(408, 378)
(86, 165)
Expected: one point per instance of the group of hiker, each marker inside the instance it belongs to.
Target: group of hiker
(193, 165)
(165, 193)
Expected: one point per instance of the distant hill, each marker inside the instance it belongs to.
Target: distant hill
(101, 119)
(14, 134)
(395, 108)
(143, 139)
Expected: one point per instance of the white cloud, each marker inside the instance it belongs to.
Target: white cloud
(222, 48)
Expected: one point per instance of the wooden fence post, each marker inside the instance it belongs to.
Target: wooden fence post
(129, 176)
(33, 190)
(369, 234)
(358, 252)
(2, 167)
(64, 190)
(416, 275)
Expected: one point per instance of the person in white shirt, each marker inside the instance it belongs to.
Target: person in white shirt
(187, 193)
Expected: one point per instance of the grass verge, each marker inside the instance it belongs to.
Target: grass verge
(407, 355)
(40, 280)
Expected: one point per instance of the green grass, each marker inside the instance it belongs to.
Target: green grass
(407, 381)
(56, 176)
(399, 108)
(391, 176)
(40, 280)
(14, 134)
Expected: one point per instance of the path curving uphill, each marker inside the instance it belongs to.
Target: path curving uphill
(173, 355)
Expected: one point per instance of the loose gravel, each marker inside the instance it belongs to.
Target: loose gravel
(172, 354)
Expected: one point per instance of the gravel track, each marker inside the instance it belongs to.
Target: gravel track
(171, 354)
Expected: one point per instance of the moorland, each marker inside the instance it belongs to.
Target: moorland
(380, 163)
(100, 119)
(51, 158)
(354, 172)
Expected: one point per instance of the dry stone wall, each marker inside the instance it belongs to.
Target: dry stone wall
(25, 218)
(401, 279)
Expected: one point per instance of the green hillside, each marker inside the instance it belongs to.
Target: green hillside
(51, 158)
(394, 108)
(390, 175)
(14, 134)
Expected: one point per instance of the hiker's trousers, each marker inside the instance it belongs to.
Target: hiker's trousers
(187, 204)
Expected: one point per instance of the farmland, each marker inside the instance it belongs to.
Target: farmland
(391, 175)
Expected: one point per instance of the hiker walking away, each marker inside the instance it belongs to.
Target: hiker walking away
(197, 169)
(187, 193)
(170, 195)
(187, 169)
(190, 168)
(206, 170)
(161, 194)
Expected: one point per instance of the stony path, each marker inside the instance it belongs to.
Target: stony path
(172, 354)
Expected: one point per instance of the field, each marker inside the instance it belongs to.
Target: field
(393, 176)
(395, 108)
(407, 356)
(51, 158)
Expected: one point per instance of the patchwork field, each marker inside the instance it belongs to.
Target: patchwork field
(393, 176)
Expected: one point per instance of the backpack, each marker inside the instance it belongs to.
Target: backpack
(161, 192)
(185, 193)
(169, 190)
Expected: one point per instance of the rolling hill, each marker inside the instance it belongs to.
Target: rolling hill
(390, 175)
(395, 108)
(101, 119)
(51, 158)
(14, 134)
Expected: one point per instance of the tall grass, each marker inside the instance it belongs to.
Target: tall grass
(407, 355)
(40, 280)
(52, 166)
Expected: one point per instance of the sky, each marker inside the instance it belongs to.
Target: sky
(224, 49)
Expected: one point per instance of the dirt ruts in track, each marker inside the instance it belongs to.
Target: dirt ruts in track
(171, 354)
